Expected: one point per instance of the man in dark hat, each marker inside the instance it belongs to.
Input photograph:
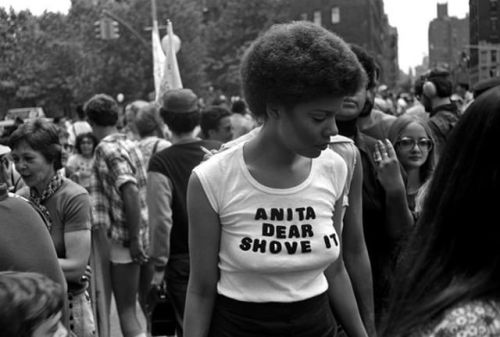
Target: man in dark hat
(168, 176)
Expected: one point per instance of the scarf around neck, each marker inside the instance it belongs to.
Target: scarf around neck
(39, 198)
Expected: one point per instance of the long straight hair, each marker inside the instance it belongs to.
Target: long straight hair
(454, 254)
(397, 128)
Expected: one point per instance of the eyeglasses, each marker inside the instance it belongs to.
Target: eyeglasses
(407, 143)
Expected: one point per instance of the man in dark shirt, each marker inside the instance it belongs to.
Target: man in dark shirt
(378, 238)
(168, 177)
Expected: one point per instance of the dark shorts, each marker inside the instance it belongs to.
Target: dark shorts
(307, 318)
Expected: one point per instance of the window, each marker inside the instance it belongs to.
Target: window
(493, 56)
(317, 18)
(483, 57)
(335, 15)
(493, 5)
(494, 27)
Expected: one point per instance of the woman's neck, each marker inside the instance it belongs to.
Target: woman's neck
(39, 188)
(414, 183)
(267, 147)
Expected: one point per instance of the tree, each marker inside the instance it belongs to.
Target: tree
(231, 26)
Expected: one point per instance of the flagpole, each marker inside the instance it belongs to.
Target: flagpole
(154, 11)
(158, 55)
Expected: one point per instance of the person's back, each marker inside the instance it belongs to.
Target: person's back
(119, 216)
(25, 242)
(148, 125)
(447, 283)
(168, 175)
(176, 164)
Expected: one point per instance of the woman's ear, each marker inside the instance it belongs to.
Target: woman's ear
(273, 110)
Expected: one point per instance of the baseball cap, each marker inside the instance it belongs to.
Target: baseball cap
(180, 100)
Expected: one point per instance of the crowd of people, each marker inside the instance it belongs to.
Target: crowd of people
(305, 208)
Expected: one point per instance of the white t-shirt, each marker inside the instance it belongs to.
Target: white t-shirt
(275, 243)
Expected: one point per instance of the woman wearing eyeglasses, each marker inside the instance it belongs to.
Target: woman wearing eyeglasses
(405, 162)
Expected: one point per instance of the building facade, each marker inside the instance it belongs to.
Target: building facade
(362, 22)
(484, 46)
(448, 44)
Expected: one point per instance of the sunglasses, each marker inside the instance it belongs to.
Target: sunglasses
(407, 143)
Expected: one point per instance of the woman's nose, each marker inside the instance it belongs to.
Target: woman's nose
(331, 129)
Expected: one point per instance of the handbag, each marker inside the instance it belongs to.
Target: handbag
(162, 312)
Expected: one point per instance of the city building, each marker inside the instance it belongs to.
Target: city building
(362, 22)
(484, 46)
(448, 44)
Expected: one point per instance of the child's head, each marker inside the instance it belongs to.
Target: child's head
(85, 144)
(31, 305)
(296, 63)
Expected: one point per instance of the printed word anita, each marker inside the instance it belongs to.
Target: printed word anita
(288, 214)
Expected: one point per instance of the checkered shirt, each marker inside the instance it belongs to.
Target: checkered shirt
(117, 161)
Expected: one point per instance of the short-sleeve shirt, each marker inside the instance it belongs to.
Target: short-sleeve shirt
(69, 210)
(117, 161)
(275, 243)
(82, 166)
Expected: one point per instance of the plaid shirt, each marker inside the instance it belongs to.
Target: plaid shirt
(117, 161)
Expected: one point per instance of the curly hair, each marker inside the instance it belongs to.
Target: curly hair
(42, 136)
(181, 122)
(79, 139)
(102, 110)
(297, 62)
(28, 299)
(369, 64)
(210, 118)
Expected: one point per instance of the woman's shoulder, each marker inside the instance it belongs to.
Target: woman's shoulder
(474, 319)
(71, 189)
(222, 160)
(331, 158)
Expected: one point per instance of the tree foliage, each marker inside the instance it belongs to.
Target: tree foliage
(55, 61)
(231, 27)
